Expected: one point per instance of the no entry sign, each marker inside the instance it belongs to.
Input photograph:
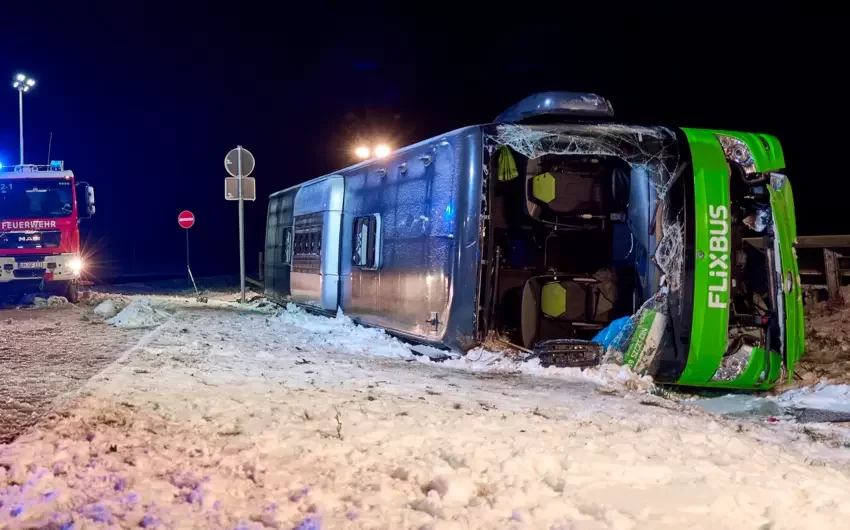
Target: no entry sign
(186, 219)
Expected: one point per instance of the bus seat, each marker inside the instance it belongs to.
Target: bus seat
(557, 300)
(577, 190)
(564, 300)
(543, 187)
(551, 196)
(553, 299)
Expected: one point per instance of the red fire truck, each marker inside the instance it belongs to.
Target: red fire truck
(40, 212)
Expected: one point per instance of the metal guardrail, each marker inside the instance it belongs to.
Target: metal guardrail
(830, 241)
(822, 264)
(259, 282)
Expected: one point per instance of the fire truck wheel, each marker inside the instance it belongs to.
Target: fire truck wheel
(72, 293)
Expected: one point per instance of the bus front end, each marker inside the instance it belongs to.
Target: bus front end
(741, 319)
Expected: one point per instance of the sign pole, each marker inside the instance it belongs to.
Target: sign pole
(189, 277)
(241, 224)
(186, 220)
(239, 164)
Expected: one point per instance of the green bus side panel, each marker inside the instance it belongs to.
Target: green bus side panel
(711, 193)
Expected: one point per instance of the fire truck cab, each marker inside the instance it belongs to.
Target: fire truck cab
(40, 211)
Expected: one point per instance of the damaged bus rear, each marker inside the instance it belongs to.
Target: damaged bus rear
(606, 242)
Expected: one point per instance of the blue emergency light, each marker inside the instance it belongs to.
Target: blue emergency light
(57, 165)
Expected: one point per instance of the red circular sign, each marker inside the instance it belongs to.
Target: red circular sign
(186, 219)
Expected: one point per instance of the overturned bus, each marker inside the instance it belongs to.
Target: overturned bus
(573, 238)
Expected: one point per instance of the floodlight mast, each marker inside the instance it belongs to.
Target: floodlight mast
(22, 83)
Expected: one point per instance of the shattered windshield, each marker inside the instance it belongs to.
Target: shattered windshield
(36, 198)
(651, 152)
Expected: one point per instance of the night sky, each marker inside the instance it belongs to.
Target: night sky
(144, 104)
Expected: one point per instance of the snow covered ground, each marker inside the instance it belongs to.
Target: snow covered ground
(221, 418)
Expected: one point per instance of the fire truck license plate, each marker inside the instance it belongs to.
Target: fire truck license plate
(31, 265)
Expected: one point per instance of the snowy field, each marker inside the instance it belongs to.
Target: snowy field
(225, 418)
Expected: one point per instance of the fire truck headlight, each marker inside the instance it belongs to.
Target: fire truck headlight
(76, 265)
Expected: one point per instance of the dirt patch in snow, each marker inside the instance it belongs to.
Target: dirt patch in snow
(46, 353)
(827, 356)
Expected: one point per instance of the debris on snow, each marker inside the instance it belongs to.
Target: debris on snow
(139, 314)
(57, 301)
(341, 333)
(319, 333)
(260, 304)
(821, 403)
(834, 398)
(481, 360)
(739, 405)
(432, 353)
(51, 302)
(106, 309)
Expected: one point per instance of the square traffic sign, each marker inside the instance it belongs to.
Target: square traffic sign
(231, 189)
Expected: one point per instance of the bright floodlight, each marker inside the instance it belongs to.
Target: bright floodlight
(362, 152)
(382, 151)
(23, 83)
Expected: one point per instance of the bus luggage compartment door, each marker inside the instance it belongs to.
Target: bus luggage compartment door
(315, 252)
